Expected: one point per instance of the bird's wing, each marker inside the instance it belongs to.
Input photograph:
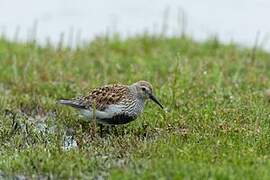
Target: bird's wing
(102, 97)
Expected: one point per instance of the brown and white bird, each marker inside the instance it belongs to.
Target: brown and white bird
(114, 104)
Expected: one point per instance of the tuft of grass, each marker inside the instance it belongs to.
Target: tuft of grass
(217, 126)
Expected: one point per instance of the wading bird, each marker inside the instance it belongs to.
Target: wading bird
(114, 104)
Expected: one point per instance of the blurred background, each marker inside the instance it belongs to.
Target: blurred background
(217, 125)
(75, 22)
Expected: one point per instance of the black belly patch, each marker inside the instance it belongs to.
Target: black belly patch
(118, 119)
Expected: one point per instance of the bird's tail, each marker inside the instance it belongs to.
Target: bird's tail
(71, 103)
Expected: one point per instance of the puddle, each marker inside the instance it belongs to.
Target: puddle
(69, 142)
(43, 124)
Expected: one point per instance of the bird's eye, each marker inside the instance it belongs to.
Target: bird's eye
(143, 88)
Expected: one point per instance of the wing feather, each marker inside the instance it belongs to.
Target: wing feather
(102, 97)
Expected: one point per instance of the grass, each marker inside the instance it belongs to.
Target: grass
(217, 127)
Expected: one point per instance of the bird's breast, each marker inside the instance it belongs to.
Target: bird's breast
(123, 113)
(135, 108)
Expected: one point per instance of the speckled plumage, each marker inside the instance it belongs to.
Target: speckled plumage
(103, 96)
(114, 104)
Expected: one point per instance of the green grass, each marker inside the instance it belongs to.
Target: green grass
(217, 128)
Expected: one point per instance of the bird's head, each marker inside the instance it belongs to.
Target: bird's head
(144, 90)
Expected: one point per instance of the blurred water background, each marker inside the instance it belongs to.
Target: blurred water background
(76, 22)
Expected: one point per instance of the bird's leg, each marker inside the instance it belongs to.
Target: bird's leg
(108, 129)
(114, 130)
(123, 130)
(101, 129)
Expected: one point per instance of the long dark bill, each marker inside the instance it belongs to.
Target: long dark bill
(153, 98)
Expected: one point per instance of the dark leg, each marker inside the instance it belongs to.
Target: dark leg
(101, 129)
(108, 129)
(114, 130)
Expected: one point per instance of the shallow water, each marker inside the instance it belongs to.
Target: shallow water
(81, 20)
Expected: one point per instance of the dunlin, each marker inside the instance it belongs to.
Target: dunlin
(114, 104)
